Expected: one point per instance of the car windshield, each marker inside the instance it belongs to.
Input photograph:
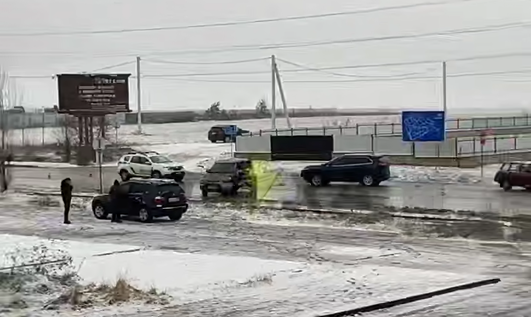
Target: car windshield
(222, 168)
(160, 159)
(169, 188)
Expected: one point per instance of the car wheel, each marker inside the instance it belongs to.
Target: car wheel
(124, 175)
(213, 141)
(375, 184)
(179, 178)
(367, 180)
(156, 174)
(204, 192)
(507, 186)
(316, 181)
(227, 139)
(99, 211)
(145, 215)
(176, 216)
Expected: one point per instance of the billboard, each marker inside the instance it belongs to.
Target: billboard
(423, 126)
(93, 93)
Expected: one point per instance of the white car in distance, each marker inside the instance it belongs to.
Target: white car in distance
(150, 165)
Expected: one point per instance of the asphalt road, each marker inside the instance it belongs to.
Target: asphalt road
(479, 197)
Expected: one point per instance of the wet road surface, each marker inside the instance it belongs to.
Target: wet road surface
(219, 229)
(486, 198)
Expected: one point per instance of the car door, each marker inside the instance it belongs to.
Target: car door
(519, 174)
(136, 197)
(513, 174)
(135, 165)
(335, 170)
(359, 167)
(146, 166)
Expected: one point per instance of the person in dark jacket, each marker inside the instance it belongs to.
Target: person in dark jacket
(3, 171)
(116, 197)
(66, 194)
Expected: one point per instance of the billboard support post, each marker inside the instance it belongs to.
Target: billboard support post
(138, 95)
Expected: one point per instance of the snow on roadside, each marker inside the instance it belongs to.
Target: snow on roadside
(207, 285)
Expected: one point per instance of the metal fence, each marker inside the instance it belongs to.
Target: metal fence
(396, 128)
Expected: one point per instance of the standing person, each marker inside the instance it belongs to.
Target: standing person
(3, 171)
(66, 194)
(116, 198)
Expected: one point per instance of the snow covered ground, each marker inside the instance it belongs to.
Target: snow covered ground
(244, 286)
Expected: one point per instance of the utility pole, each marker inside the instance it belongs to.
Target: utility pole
(444, 87)
(273, 93)
(138, 95)
(282, 96)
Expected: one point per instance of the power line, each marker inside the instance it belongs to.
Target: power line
(271, 46)
(359, 66)
(235, 23)
(525, 71)
(113, 66)
(347, 75)
(207, 63)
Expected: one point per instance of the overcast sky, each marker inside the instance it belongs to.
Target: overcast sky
(40, 55)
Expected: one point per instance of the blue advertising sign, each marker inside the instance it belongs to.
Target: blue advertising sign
(231, 130)
(423, 126)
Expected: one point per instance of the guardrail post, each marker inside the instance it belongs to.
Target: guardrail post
(291, 131)
(324, 131)
(372, 143)
(474, 145)
(357, 129)
(340, 130)
(458, 123)
(392, 128)
(306, 131)
(514, 121)
(375, 129)
(438, 149)
(495, 145)
(276, 132)
(260, 132)
(515, 144)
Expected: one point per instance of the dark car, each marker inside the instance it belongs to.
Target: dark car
(217, 133)
(147, 199)
(226, 177)
(514, 174)
(368, 170)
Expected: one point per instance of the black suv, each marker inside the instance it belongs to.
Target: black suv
(226, 177)
(147, 199)
(217, 133)
(367, 170)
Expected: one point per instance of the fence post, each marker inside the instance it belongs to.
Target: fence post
(495, 145)
(473, 145)
(515, 144)
(372, 143)
(458, 123)
(375, 128)
(357, 129)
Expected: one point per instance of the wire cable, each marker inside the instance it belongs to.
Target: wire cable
(273, 46)
(349, 75)
(113, 66)
(207, 63)
(235, 23)
(525, 71)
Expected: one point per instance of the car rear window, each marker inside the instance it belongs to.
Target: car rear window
(166, 188)
(222, 168)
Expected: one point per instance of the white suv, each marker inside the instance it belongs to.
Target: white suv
(149, 164)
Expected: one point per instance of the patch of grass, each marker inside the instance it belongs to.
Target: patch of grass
(258, 280)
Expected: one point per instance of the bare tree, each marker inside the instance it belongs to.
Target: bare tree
(10, 97)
